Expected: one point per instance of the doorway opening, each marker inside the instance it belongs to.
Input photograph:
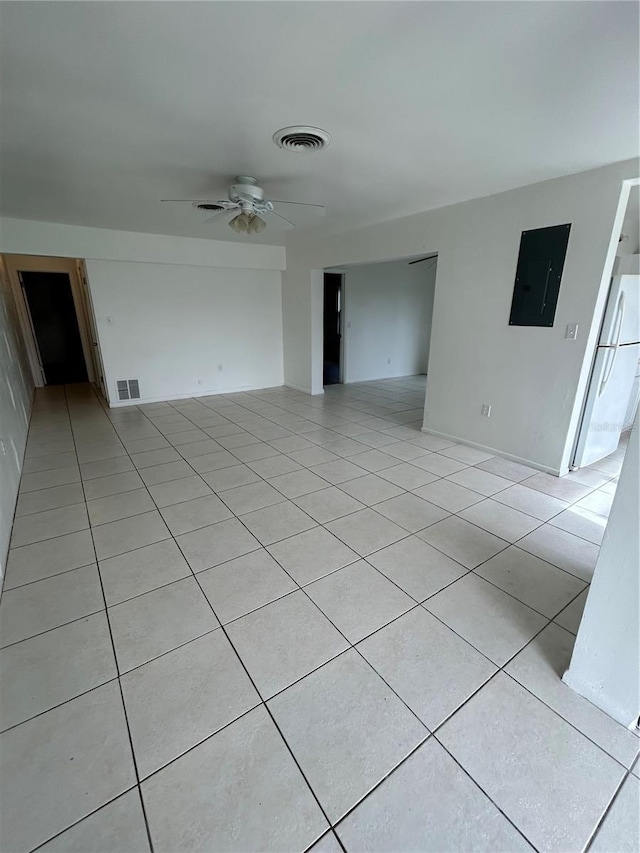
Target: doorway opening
(332, 322)
(55, 326)
(56, 318)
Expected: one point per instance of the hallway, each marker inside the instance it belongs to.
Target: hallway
(269, 621)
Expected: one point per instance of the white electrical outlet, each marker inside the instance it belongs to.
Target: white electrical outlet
(486, 410)
(571, 333)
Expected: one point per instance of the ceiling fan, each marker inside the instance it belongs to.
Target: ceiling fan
(246, 197)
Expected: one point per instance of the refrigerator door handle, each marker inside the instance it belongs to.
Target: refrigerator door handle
(614, 349)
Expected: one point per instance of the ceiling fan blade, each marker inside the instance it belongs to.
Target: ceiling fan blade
(221, 202)
(217, 215)
(284, 218)
(420, 260)
(319, 208)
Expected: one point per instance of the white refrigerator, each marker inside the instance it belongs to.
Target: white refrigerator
(614, 369)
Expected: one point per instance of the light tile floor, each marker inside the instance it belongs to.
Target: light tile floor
(268, 621)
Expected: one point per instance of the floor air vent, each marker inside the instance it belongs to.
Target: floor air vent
(128, 389)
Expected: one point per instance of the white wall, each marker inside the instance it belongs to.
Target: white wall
(604, 664)
(387, 318)
(180, 307)
(187, 330)
(16, 396)
(533, 378)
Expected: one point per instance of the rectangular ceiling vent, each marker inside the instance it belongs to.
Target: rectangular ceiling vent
(128, 389)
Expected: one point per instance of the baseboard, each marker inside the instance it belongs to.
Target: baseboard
(143, 401)
(512, 457)
(303, 390)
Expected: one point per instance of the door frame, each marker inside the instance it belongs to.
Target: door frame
(15, 264)
(343, 323)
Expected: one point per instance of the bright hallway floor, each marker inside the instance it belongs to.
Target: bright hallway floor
(269, 621)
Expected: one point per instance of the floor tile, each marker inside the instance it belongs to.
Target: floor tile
(157, 622)
(619, 831)
(117, 537)
(44, 671)
(260, 802)
(151, 442)
(46, 604)
(551, 781)
(571, 616)
(35, 464)
(50, 557)
(419, 807)
(416, 567)
(298, 483)
(253, 452)
(439, 465)
(114, 484)
(492, 621)
(165, 473)
(562, 549)
(558, 487)
(44, 499)
(183, 697)
(327, 844)
(149, 458)
(312, 456)
(405, 450)
(598, 502)
(115, 507)
(230, 478)
(503, 521)
(91, 729)
(370, 489)
(199, 448)
(192, 436)
(50, 478)
(178, 491)
(273, 466)
(540, 666)
(366, 531)
(464, 542)
(245, 583)
(328, 504)
(411, 512)
(118, 827)
(407, 476)
(448, 495)
(374, 460)
(531, 580)
(328, 719)
(213, 545)
(248, 498)
(480, 481)
(534, 503)
(312, 554)
(142, 570)
(358, 599)
(106, 467)
(429, 666)
(284, 641)
(581, 522)
(45, 525)
(431, 442)
(463, 453)
(514, 471)
(192, 515)
(277, 522)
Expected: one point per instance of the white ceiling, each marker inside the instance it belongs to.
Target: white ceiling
(109, 107)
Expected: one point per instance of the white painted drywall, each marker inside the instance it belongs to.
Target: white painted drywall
(172, 327)
(605, 665)
(387, 319)
(533, 378)
(16, 397)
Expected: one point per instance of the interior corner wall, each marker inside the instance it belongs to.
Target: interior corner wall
(388, 309)
(185, 331)
(16, 397)
(533, 377)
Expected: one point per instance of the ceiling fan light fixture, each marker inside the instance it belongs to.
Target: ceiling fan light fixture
(257, 225)
(240, 223)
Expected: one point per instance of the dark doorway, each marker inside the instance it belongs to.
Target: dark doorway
(332, 327)
(55, 326)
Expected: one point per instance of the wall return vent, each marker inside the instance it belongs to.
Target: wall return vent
(128, 389)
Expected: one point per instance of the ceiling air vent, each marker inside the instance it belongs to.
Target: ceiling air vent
(302, 138)
(128, 389)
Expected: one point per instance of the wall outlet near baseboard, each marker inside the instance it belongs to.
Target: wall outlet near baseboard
(486, 410)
